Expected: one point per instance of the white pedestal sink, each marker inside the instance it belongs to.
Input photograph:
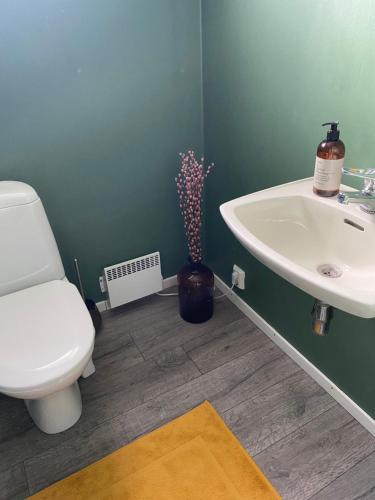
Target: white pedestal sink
(318, 245)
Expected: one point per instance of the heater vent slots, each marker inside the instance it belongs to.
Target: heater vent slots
(133, 279)
(132, 267)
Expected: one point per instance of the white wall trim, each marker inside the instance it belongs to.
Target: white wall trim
(356, 411)
(102, 305)
(167, 283)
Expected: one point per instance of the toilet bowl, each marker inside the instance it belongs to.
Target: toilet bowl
(46, 332)
(46, 339)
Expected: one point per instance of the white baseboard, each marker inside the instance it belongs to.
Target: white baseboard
(171, 281)
(340, 396)
(167, 283)
(102, 305)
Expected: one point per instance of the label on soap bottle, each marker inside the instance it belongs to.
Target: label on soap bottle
(327, 174)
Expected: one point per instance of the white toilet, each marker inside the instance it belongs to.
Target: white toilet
(46, 332)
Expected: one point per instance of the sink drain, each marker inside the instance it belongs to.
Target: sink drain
(329, 271)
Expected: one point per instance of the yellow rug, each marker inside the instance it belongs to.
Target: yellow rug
(194, 457)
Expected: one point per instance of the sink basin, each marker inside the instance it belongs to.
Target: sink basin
(324, 248)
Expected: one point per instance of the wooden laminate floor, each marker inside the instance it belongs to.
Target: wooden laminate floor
(151, 367)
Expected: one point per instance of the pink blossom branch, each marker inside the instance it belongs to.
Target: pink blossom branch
(190, 184)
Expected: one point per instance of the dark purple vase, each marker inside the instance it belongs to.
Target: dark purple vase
(196, 292)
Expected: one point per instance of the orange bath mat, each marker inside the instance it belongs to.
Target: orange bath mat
(194, 457)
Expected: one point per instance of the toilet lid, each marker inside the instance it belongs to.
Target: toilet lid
(45, 331)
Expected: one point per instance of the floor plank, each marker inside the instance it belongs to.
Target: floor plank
(30, 441)
(356, 484)
(279, 410)
(73, 454)
(224, 387)
(13, 483)
(167, 331)
(113, 390)
(310, 458)
(221, 331)
(14, 419)
(231, 341)
(113, 339)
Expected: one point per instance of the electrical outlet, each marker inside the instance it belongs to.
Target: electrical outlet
(238, 277)
(103, 288)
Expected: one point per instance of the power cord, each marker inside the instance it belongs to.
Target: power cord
(225, 294)
(166, 294)
(235, 277)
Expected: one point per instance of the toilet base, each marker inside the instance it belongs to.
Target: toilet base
(58, 411)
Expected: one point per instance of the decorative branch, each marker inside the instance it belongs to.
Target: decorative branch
(190, 184)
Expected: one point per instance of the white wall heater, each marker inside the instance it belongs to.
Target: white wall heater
(133, 279)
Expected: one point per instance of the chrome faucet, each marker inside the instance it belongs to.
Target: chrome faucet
(364, 196)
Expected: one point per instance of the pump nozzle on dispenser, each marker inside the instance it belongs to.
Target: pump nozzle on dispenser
(333, 134)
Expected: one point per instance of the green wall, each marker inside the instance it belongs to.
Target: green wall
(97, 99)
(273, 71)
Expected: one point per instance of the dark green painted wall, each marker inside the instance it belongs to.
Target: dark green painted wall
(97, 98)
(273, 72)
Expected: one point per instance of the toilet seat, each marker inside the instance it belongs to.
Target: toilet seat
(46, 339)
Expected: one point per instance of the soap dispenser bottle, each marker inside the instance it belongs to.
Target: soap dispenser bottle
(329, 162)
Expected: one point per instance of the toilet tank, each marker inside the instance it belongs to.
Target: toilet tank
(28, 251)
